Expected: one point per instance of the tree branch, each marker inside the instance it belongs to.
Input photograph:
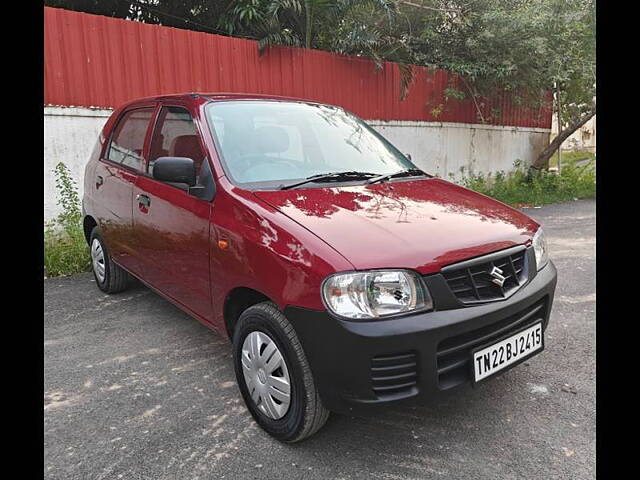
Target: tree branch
(473, 97)
(543, 159)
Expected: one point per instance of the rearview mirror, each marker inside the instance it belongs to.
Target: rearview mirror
(175, 170)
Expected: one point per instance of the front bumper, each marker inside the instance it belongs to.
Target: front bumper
(360, 366)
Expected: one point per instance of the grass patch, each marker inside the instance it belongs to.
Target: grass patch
(65, 249)
(571, 157)
(525, 188)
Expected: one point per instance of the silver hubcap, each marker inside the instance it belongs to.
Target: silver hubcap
(266, 375)
(97, 259)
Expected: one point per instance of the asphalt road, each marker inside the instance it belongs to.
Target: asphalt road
(136, 389)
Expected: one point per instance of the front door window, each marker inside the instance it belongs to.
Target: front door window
(175, 135)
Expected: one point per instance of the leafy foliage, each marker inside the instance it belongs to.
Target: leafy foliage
(110, 8)
(65, 248)
(526, 46)
(522, 187)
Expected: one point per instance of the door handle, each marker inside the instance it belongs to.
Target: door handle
(143, 200)
(99, 181)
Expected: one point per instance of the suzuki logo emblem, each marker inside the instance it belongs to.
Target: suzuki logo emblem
(498, 278)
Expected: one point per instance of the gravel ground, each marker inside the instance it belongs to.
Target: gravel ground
(136, 389)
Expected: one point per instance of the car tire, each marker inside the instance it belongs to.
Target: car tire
(110, 277)
(305, 413)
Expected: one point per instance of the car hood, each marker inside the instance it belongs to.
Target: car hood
(420, 224)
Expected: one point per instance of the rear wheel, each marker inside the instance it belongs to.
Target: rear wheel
(274, 376)
(110, 278)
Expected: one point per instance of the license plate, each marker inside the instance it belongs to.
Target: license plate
(507, 352)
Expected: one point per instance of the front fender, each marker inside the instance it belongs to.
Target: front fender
(267, 252)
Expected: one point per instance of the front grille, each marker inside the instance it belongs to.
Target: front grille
(454, 353)
(475, 284)
(394, 374)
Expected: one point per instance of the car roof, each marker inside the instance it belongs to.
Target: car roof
(200, 97)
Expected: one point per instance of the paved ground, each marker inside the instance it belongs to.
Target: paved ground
(136, 389)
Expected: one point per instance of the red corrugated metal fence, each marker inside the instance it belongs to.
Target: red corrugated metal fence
(92, 60)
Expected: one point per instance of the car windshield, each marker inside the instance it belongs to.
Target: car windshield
(266, 144)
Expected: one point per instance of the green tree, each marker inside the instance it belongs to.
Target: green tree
(200, 15)
(109, 8)
(527, 47)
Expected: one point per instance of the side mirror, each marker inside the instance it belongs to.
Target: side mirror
(175, 170)
(408, 155)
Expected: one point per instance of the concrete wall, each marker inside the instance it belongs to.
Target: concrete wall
(450, 150)
(443, 149)
(69, 136)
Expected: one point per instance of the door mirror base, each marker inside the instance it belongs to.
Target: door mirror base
(206, 187)
(198, 191)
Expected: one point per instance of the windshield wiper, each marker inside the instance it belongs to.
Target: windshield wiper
(330, 177)
(411, 172)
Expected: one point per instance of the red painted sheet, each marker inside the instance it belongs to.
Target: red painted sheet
(98, 61)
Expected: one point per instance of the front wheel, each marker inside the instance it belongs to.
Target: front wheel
(110, 278)
(274, 376)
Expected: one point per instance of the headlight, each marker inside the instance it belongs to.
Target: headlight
(540, 249)
(375, 293)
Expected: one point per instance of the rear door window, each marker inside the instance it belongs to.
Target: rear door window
(128, 137)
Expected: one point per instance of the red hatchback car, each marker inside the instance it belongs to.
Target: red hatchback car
(346, 277)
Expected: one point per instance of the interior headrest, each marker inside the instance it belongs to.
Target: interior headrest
(186, 146)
